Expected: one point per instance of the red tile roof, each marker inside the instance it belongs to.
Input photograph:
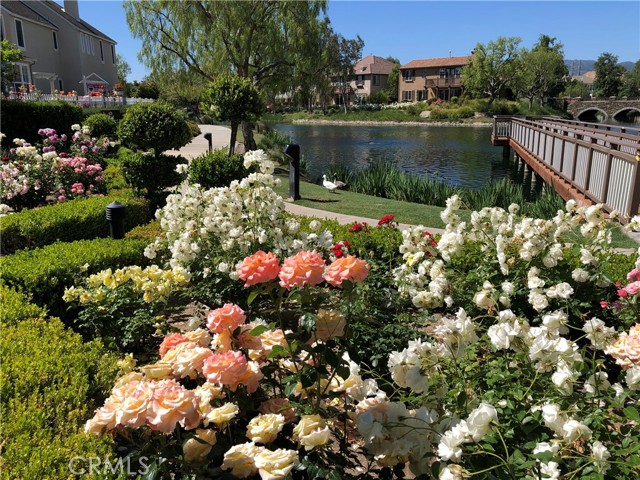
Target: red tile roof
(373, 65)
(438, 62)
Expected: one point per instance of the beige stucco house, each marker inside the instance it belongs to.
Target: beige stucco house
(61, 51)
(431, 78)
(370, 75)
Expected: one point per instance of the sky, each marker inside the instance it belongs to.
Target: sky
(410, 30)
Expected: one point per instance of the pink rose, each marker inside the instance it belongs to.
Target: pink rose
(250, 379)
(229, 317)
(304, 268)
(260, 267)
(347, 268)
(633, 288)
(172, 404)
(225, 368)
(626, 350)
(634, 275)
(133, 410)
(170, 342)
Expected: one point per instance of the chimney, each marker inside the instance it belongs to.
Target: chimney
(71, 7)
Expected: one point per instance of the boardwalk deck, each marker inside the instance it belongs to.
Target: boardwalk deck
(590, 163)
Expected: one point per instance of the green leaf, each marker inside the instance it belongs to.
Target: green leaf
(308, 321)
(632, 414)
(258, 330)
(252, 296)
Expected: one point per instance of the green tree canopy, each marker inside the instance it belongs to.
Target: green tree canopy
(122, 68)
(631, 82)
(608, 75)
(10, 54)
(393, 81)
(235, 100)
(492, 68)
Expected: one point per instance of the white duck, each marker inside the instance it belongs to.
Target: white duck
(328, 185)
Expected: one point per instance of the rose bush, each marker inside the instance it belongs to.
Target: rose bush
(527, 364)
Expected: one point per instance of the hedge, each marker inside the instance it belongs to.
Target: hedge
(15, 307)
(24, 119)
(51, 383)
(45, 272)
(78, 219)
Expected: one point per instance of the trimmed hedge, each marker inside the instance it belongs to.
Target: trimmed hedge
(45, 272)
(78, 219)
(24, 119)
(51, 382)
(101, 125)
(148, 232)
(14, 307)
(216, 169)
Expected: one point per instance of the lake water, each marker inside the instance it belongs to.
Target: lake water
(462, 156)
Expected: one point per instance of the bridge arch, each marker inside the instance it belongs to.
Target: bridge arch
(627, 111)
(590, 113)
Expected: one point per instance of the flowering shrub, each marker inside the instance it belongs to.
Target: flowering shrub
(32, 175)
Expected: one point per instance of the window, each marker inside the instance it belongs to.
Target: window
(450, 72)
(91, 46)
(408, 75)
(101, 52)
(19, 33)
(360, 81)
(376, 80)
(421, 95)
(407, 95)
(60, 85)
(82, 47)
(23, 75)
(113, 54)
(55, 41)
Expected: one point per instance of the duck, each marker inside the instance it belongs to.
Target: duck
(328, 185)
(338, 183)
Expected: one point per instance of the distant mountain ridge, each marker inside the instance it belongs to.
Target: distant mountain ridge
(579, 67)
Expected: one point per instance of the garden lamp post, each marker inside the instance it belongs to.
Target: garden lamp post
(209, 139)
(115, 213)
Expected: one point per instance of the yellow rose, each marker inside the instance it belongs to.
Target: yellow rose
(223, 414)
(265, 428)
(311, 432)
(277, 464)
(157, 371)
(329, 324)
(240, 459)
(197, 448)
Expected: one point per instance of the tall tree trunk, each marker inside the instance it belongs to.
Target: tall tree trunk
(232, 141)
(247, 133)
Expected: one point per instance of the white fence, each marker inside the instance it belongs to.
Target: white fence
(84, 100)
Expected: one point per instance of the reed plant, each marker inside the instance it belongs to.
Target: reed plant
(386, 180)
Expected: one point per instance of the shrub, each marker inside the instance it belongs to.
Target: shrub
(148, 232)
(78, 219)
(155, 126)
(24, 119)
(44, 272)
(194, 128)
(148, 89)
(149, 175)
(216, 169)
(51, 382)
(15, 307)
(101, 125)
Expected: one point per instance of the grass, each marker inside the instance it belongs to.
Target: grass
(350, 203)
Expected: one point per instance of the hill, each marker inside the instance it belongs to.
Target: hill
(579, 67)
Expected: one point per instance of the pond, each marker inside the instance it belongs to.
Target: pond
(462, 156)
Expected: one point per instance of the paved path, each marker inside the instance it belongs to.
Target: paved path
(220, 136)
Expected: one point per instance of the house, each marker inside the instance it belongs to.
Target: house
(61, 51)
(370, 75)
(431, 78)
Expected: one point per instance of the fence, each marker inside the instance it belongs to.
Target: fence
(84, 100)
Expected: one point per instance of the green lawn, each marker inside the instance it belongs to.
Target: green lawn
(350, 203)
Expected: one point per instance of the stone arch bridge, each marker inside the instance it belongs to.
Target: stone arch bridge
(616, 109)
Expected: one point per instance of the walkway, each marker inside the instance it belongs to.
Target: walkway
(220, 136)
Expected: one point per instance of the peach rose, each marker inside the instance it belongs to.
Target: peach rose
(104, 419)
(157, 371)
(626, 350)
(279, 405)
(199, 336)
(189, 360)
(329, 324)
(225, 368)
(304, 268)
(222, 342)
(240, 459)
(260, 267)
(197, 448)
(248, 341)
(230, 317)
(170, 342)
(133, 410)
(347, 268)
(265, 427)
(172, 404)
(251, 378)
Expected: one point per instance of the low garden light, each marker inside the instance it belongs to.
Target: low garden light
(209, 139)
(115, 213)
(293, 152)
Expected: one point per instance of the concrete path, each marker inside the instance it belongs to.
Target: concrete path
(220, 136)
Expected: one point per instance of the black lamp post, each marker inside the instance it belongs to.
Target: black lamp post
(293, 151)
(209, 139)
(115, 213)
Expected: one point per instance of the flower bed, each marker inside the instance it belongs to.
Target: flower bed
(527, 364)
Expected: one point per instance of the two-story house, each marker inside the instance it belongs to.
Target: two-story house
(431, 78)
(60, 50)
(371, 75)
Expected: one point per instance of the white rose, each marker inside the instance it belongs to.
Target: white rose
(197, 448)
(480, 420)
(311, 431)
(265, 428)
(277, 464)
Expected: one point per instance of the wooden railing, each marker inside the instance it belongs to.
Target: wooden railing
(602, 164)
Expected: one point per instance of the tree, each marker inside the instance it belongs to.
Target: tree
(542, 71)
(608, 75)
(10, 54)
(492, 68)
(348, 53)
(253, 39)
(393, 81)
(235, 100)
(631, 82)
(122, 68)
